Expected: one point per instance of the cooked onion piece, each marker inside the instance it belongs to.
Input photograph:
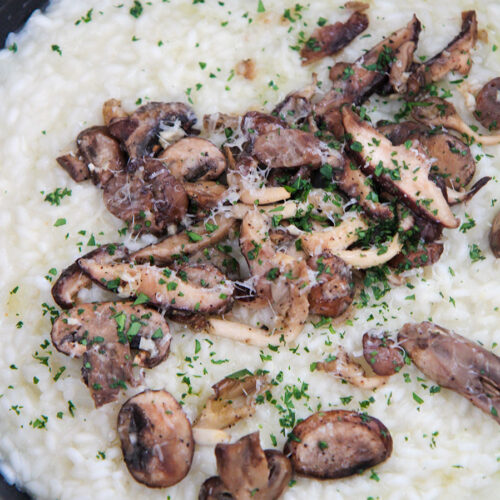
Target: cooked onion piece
(156, 438)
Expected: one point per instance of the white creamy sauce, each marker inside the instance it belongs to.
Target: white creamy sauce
(54, 85)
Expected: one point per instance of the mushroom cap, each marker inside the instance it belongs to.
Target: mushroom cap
(150, 198)
(381, 354)
(337, 443)
(193, 159)
(488, 106)
(156, 438)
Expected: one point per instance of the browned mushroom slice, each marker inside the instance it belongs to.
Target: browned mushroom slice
(247, 471)
(193, 158)
(354, 83)
(233, 400)
(297, 105)
(343, 366)
(107, 368)
(334, 289)
(164, 287)
(381, 353)
(454, 57)
(426, 256)
(140, 130)
(219, 122)
(199, 236)
(456, 363)
(255, 123)
(399, 74)
(102, 154)
(356, 185)
(73, 279)
(338, 443)
(332, 38)
(402, 171)
(156, 438)
(221, 258)
(488, 106)
(453, 158)
(494, 236)
(112, 110)
(438, 112)
(76, 168)
(144, 328)
(293, 148)
(149, 199)
(205, 194)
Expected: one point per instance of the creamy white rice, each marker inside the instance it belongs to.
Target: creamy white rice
(54, 85)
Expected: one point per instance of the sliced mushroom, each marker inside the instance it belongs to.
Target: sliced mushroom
(402, 171)
(494, 236)
(164, 287)
(144, 328)
(140, 130)
(76, 168)
(199, 236)
(219, 257)
(156, 439)
(338, 443)
(453, 158)
(293, 148)
(354, 83)
(426, 256)
(381, 353)
(73, 279)
(255, 123)
(334, 289)
(112, 110)
(102, 154)
(247, 472)
(332, 38)
(233, 400)
(438, 112)
(456, 363)
(149, 199)
(488, 105)
(219, 122)
(193, 159)
(107, 368)
(399, 74)
(343, 366)
(456, 56)
(205, 194)
(296, 106)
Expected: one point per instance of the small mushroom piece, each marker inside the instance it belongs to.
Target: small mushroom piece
(399, 74)
(112, 110)
(296, 106)
(140, 130)
(456, 363)
(248, 472)
(381, 353)
(456, 56)
(338, 443)
(488, 105)
(193, 159)
(255, 123)
(292, 148)
(494, 236)
(233, 400)
(332, 38)
(333, 291)
(402, 171)
(344, 367)
(73, 279)
(102, 154)
(144, 328)
(438, 112)
(199, 236)
(426, 256)
(156, 439)
(149, 199)
(221, 258)
(205, 194)
(203, 290)
(76, 168)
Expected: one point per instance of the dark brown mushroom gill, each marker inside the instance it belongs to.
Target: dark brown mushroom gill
(156, 439)
(456, 363)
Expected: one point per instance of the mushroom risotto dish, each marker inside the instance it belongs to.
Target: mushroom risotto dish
(251, 250)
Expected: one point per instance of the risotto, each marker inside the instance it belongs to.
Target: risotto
(54, 77)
